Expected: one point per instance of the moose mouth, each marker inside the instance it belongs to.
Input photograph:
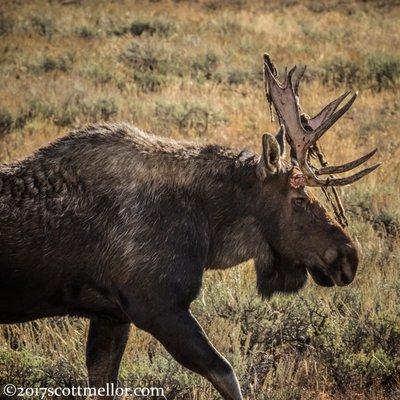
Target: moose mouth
(320, 277)
(323, 278)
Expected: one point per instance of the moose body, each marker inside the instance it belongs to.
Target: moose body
(119, 226)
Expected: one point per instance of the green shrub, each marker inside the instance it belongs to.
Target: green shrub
(43, 26)
(143, 58)
(74, 108)
(240, 76)
(387, 223)
(226, 26)
(118, 30)
(343, 72)
(6, 24)
(6, 122)
(377, 71)
(34, 109)
(67, 115)
(237, 76)
(149, 81)
(98, 73)
(39, 108)
(86, 32)
(50, 63)
(318, 7)
(159, 27)
(103, 109)
(222, 4)
(149, 56)
(205, 65)
(383, 70)
(188, 116)
(79, 107)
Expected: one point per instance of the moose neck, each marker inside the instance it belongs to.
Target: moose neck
(236, 235)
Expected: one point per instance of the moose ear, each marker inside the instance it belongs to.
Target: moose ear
(271, 154)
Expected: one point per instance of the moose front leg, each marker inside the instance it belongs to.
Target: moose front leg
(185, 340)
(105, 346)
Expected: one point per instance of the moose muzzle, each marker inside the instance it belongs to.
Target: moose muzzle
(342, 263)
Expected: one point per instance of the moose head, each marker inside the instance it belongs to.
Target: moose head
(300, 231)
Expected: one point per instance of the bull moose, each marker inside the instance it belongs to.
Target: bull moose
(119, 226)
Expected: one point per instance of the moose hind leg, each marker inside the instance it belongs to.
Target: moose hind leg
(105, 346)
(186, 341)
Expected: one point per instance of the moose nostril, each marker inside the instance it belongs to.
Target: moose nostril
(351, 255)
(342, 263)
(349, 262)
(330, 255)
(346, 279)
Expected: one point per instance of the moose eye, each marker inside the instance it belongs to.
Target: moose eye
(300, 203)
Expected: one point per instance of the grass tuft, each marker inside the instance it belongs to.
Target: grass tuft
(160, 27)
(6, 25)
(50, 63)
(6, 122)
(43, 26)
(86, 32)
(189, 116)
(376, 71)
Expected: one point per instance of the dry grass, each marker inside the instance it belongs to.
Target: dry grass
(193, 70)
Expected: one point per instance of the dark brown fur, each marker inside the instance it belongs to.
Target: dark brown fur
(119, 226)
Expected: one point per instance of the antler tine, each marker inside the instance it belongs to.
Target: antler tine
(335, 169)
(285, 77)
(298, 80)
(289, 79)
(318, 132)
(271, 66)
(327, 111)
(347, 180)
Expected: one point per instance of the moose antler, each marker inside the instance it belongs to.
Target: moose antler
(303, 132)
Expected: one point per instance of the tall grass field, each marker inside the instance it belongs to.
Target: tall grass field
(193, 70)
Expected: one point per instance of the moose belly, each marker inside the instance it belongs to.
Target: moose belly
(27, 293)
(30, 291)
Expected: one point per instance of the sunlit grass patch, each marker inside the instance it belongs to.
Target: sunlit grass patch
(378, 71)
(146, 57)
(86, 32)
(157, 26)
(189, 116)
(6, 24)
(49, 63)
(42, 25)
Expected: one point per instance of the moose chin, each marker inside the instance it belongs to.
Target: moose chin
(119, 226)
